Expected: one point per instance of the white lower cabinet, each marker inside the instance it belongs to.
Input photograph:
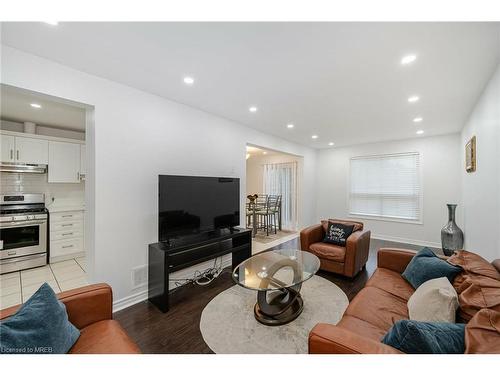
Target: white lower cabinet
(66, 235)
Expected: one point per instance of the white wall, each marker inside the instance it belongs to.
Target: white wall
(481, 189)
(440, 166)
(136, 137)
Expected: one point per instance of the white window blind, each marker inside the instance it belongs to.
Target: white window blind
(386, 186)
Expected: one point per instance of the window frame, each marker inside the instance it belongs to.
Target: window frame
(418, 221)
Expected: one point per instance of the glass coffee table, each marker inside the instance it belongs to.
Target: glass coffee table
(277, 276)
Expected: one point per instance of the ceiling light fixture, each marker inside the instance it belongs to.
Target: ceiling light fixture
(331, 144)
(290, 126)
(314, 136)
(413, 99)
(264, 152)
(418, 119)
(252, 109)
(188, 80)
(408, 59)
(420, 132)
(52, 23)
(36, 105)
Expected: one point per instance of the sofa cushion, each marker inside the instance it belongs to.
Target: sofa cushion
(482, 333)
(377, 307)
(478, 286)
(40, 326)
(434, 301)
(337, 233)
(414, 337)
(357, 225)
(426, 265)
(328, 251)
(392, 282)
(361, 327)
(104, 337)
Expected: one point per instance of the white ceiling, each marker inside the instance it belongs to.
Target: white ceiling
(341, 81)
(16, 106)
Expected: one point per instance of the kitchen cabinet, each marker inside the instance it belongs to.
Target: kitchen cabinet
(24, 150)
(66, 235)
(8, 148)
(64, 162)
(32, 150)
(83, 160)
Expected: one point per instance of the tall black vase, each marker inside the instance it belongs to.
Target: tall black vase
(452, 237)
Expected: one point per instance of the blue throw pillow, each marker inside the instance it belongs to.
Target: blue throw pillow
(413, 337)
(426, 265)
(40, 326)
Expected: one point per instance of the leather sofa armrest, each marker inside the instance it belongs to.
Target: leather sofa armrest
(89, 304)
(84, 306)
(356, 252)
(394, 259)
(311, 235)
(329, 339)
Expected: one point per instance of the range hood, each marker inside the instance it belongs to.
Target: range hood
(22, 168)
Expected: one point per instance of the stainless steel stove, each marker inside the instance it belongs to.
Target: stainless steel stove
(23, 231)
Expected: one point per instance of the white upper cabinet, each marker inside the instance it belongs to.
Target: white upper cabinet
(64, 162)
(83, 159)
(32, 150)
(24, 150)
(8, 148)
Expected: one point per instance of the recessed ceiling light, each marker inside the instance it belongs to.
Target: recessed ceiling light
(418, 119)
(252, 109)
(52, 23)
(408, 59)
(331, 144)
(188, 80)
(265, 152)
(314, 136)
(413, 99)
(419, 132)
(36, 105)
(290, 126)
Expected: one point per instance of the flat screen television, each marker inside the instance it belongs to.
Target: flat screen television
(192, 204)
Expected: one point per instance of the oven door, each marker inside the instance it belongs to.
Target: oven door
(23, 238)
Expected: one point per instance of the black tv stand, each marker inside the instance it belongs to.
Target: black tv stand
(167, 257)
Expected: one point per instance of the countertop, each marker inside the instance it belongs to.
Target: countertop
(66, 207)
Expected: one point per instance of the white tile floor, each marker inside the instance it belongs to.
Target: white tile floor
(17, 287)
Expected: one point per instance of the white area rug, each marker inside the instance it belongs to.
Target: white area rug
(228, 325)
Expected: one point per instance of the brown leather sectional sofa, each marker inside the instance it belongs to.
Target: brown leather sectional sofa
(90, 310)
(348, 260)
(384, 299)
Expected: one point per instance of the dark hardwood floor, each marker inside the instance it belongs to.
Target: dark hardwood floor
(178, 331)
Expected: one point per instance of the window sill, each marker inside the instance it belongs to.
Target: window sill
(384, 218)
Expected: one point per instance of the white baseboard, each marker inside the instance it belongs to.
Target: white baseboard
(130, 300)
(406, 240)
(143, 295)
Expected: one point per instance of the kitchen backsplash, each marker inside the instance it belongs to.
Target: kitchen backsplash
(37, 183)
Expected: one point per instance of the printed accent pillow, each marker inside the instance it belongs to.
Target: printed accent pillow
(337, 233)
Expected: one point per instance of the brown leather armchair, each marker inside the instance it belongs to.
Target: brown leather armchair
(90, 310)
(348, 260)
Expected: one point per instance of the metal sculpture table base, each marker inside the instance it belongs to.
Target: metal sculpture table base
(284, 306)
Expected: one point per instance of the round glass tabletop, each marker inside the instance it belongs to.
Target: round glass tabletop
(278, 269)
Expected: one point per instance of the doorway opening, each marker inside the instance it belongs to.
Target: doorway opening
(44, 165)
(273, 196)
